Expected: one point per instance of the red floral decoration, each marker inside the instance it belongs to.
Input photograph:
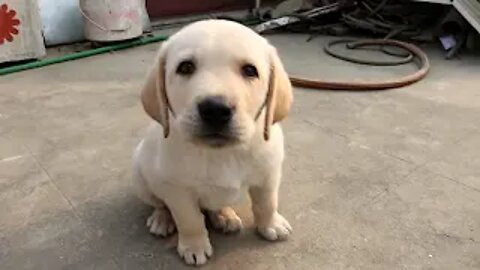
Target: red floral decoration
(7, 24)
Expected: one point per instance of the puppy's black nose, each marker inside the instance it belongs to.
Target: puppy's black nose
(215, 112)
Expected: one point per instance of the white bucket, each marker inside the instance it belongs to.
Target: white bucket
(112, 20)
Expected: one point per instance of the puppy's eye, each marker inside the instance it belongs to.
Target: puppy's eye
(186, 68)
(249, 71)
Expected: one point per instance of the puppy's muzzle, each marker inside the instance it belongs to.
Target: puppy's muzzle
(216, 122)
(215, 113)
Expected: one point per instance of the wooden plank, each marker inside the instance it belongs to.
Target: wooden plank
(20, 31)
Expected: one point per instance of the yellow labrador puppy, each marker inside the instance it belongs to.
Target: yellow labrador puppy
(217, 92)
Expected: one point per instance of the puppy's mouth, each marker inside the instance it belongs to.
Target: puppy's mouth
(217, 136)
(217, 139)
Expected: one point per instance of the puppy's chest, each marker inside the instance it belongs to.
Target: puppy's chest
(223, 171)
(221, 181)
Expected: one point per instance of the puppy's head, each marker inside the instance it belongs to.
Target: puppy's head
(217, 83)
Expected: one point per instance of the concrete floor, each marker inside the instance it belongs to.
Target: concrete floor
(379, 180)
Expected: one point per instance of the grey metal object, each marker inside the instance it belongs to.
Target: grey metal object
(443, 2)
(470, 9)
(61, 21)
(289, 19)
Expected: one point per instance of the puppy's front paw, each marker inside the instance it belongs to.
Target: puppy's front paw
(161, 222)
(194, 250)
(225, 220)
(277, 228)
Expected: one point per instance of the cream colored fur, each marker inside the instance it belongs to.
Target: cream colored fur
(179, 175)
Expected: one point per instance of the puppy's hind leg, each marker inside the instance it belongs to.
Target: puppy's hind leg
(225, 220)
(160, 222)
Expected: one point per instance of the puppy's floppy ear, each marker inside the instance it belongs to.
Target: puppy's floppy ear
(154, 94)
(279, 95)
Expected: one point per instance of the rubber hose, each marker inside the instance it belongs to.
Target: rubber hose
(352, 44)
(296, 81)
(423, 64)
(82, 54)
